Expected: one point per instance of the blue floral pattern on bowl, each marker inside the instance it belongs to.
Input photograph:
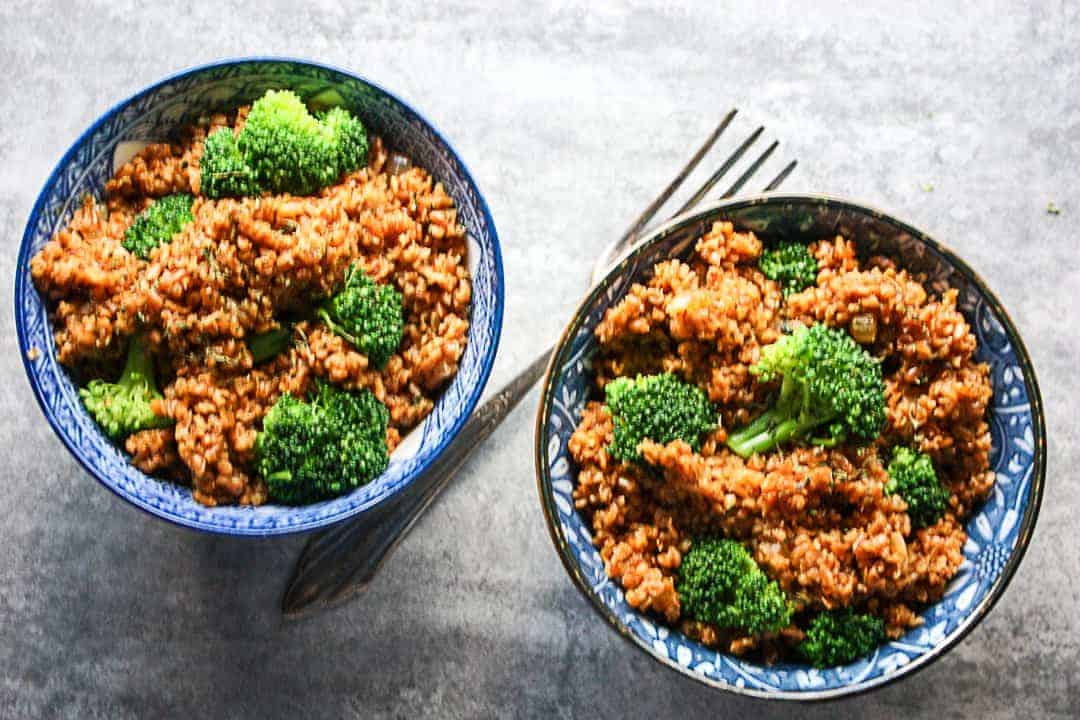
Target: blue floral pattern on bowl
(998, 533)
(159, 112)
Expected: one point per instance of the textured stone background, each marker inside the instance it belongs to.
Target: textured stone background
(571, 118)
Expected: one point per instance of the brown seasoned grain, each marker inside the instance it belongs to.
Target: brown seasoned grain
(818, 521)
(231, 273)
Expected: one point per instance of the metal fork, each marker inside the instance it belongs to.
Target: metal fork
(339, 562)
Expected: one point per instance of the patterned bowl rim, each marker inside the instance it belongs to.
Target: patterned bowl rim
(472, 395)
(558, 358)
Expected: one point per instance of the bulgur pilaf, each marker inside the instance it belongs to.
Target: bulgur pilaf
(235, 271)
(817, 520)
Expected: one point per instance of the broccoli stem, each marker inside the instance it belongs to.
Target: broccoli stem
(268, 344)
(335, 327)
(279, 476)
(766, 432)
(778, 424)
(139, 366)
(754, 436)
(775, 429)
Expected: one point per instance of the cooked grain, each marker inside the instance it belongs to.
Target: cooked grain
(232, 273)
(818, 521)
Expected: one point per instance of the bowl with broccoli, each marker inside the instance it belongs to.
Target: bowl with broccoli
(288, 290)
(764, 468)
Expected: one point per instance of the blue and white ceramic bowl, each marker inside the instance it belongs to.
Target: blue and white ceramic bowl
(998, 534)
(158, 112)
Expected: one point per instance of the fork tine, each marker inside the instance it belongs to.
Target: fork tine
(737, 185)
(721, 171)
(782, 176)
(665, 194)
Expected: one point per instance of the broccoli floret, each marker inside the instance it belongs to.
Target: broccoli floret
(325, 447)
(158, 223)
(831, 386)
(791, 265)
(912, 476)
(661, 408)
(222, 170)
(348, 136)
(841, 636)
(124, 407)
(369, 316)
(282, 148)
(269, 344)
(286, 146)
(719, 583)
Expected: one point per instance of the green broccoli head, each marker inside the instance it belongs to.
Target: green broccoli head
(282, 148)
(832, 389)
(222, 170)
(286, 147)
(124, 407)
(348, 136)
(661, 408)
(719, 583)
(761, 604)
(841, 636)
(912, 476)
(158, 223)
(791, 265)
(325, 447)
(369, 316)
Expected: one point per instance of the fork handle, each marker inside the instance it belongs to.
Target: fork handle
(341, 561)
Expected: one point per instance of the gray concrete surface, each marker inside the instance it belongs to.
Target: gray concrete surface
(571, 116)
